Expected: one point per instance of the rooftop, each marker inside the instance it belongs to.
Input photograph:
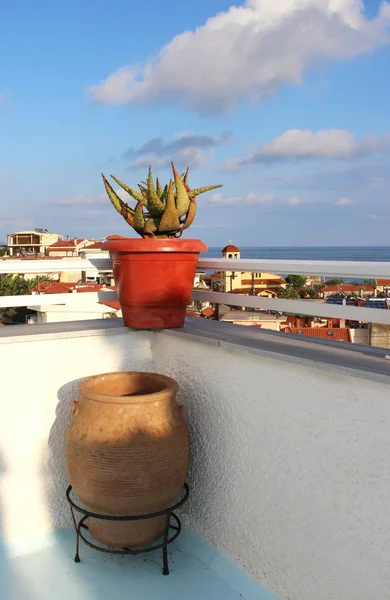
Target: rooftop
(66, 244)
(198, 572)
(94, 246)
(288, 474)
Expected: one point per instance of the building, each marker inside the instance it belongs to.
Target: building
(67, 248)
(347, 289)
(79, 308)
(254, 318)
(31, 242)
(383, 286)
(244, 282)
(90, 252)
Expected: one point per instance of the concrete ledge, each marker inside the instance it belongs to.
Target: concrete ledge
(359, 361)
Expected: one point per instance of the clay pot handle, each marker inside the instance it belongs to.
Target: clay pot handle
(74, 407)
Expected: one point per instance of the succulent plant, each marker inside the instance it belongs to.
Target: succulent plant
(159, 212)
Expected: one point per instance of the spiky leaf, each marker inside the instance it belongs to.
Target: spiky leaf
(190, 215)
(182, 199)
(159, 189)
(169, 220)
(204, 189)
(139, 221)
(117, 203)
(133, 193)
(154, 204)
(185, 176)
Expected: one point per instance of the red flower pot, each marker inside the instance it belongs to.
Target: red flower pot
(154, 279)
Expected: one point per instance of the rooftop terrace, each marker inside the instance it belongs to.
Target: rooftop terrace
(289, 477)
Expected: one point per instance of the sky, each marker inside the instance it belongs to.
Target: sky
(285, 103)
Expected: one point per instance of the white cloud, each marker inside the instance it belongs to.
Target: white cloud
(195, 157)
(16, 222)
(344, 202)
(374, 217)
(295, 201)
(247, 51)
(248, 199)
(185, 148)
(83, 200)
(299, 144)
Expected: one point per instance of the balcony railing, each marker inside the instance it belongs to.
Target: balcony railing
(348, 269)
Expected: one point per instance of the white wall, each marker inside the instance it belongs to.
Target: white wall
(290, 465)
(360, 336)
(38, 381)
(290, 469)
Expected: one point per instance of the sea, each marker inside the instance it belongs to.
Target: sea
(348, 253)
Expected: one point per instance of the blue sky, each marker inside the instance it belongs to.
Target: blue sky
(286, 103)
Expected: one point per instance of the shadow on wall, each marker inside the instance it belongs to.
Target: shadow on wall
(54, 468)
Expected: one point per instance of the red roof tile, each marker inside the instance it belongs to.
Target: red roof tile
(59, 287)
(383, 282)
(62, 244)
(230, 248)
(94, 246)
(339, 335)
(208, 312)
(347, 288)
(275, 281)
(191, 313)
(66, 244)
(112, 304)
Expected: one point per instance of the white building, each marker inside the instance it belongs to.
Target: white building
(31, 242)
(94, 275)
(77, 306)
(68, 248)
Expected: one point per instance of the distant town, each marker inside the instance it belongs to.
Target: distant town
(41, 244)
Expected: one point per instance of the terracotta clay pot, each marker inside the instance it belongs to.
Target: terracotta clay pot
(127, 453)
(154, 279)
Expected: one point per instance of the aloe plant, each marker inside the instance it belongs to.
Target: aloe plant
(160, 212)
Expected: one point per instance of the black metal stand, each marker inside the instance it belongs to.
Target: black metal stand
(167, 538)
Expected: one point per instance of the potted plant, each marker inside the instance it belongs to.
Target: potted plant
(154, 275)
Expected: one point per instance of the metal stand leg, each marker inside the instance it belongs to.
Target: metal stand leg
(165, 546)
(77, 528)
(168, 536)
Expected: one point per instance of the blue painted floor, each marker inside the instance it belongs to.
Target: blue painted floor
(198, 572)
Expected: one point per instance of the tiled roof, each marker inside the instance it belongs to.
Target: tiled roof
(274, 281)
(347, 288)
(247, 291)
(383, 282)
(68, 244)
(230, 248)
(94, 246)
(191, 313)
(339, 335)
(208, 312)
(59, 287)
(112, 304)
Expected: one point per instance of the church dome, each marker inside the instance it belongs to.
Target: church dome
(230, 248)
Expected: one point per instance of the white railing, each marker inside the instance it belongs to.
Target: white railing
(301, 307)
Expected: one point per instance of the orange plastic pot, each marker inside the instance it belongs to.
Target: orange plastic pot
(154, 279)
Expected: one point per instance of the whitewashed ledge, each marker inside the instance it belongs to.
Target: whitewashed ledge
(365, 362)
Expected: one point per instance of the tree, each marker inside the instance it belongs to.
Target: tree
(289, 293)
(15, 285)
(297, 281)
(334, 282)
